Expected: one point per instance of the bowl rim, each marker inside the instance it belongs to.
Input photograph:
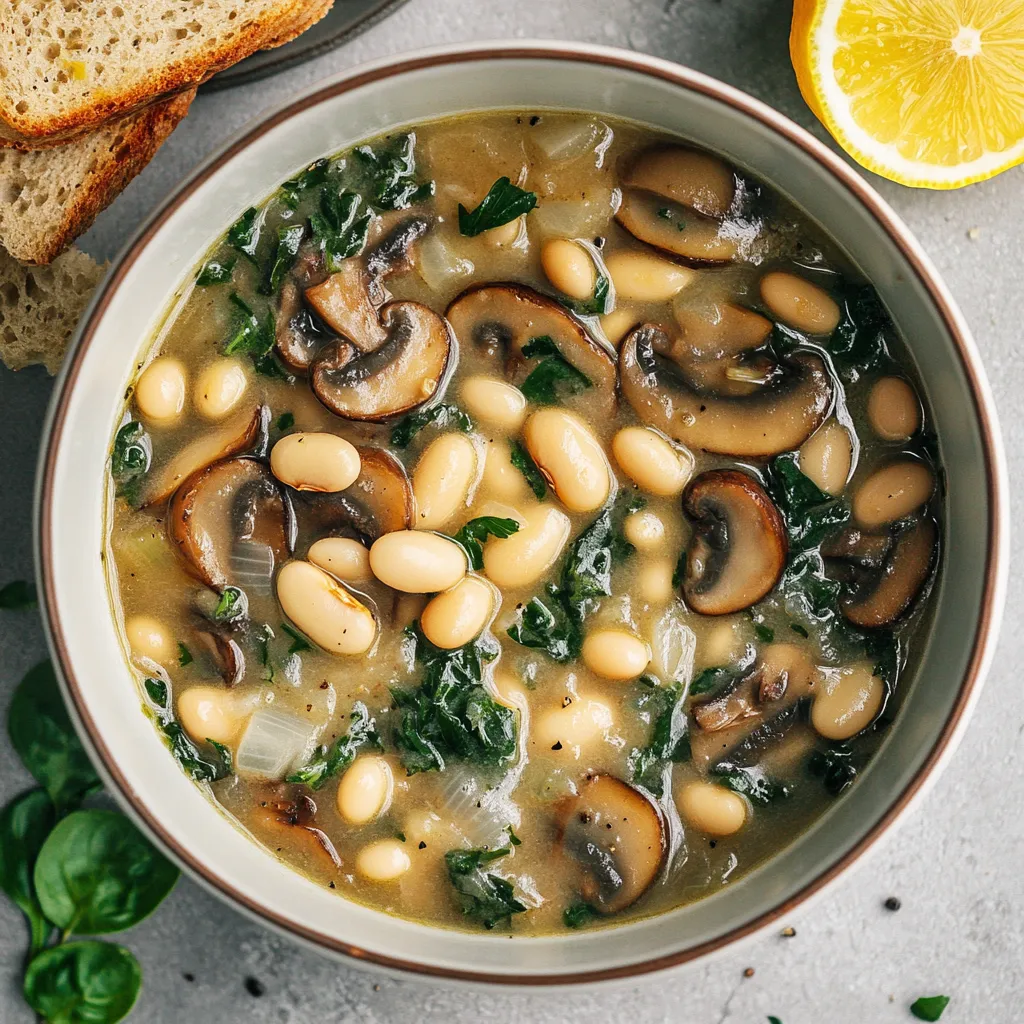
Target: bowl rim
(996, 561)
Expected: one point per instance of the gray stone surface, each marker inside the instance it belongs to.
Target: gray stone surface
(956, 863)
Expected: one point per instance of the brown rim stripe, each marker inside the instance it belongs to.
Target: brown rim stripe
(693, 82)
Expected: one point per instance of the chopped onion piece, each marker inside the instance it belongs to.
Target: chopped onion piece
(563, 141)
(575, 218)
(438, 263)
(483, 815)
(252, 567)
(673, 644)
(273, 743)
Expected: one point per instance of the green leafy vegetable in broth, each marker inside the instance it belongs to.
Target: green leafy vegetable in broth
(545, 624)
(88, 982)
(198, 767)
(858, 345)
(250, 334)
(443, 417)
(387, 174)
(232, 606)
(598, 304)
(130, 460)
(578, 915)
(285, 421)
(753, 783)
(216, 272)
(289, 238)
(24, 825)
(18, 595)
(835, 766)
(299, 642)
(245, 234)
(476, 531)
(553, 376)
(930, 1008)
(489, 899)
(503, 203)
(669, 740)
(809, 513)
(184, 655)
(331, 761)
(520, 458)
(315, 174)
(339, 229)
(451, 716)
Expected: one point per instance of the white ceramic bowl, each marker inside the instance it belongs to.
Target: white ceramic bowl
(135, 298)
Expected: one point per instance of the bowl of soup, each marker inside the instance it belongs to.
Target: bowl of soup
(521, 516)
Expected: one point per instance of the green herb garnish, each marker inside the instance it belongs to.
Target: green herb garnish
(489, 899)
(244, 235)
(476, 531)
(130, 460)
(929, 1008)
(232, 606)
(18, 595)
(669, 741)
(331, 761)
(522, 461)
(184, 655)
(576, 915)
(553, 375)
(216, 272)
(442, 417)
(299, 642)
(503, 203)
(289, 238)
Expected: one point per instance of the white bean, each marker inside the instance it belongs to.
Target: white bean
(892, 492)
(501, 480)
(797, 302)
(505, 236)
(654, 582)
(343, 557)
(618, 323)
(160, 391)
(417, 562)
(651, 462)
(148, 638)
(644, 277)
(213, 713)
(442, 479)
(365, 789)
(219, 388)
(848, 701)
(315, 462)
(494, 402)
(569, 268)
(615, 654)
(826, 457)
(644, 530)
(526, 556)
(324, 610)
(570, 457)
(712, 809)
(573, 726)
(893, 409)
(383, 861)
(458, 615)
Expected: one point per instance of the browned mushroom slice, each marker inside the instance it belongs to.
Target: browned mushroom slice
(723, 712)
(887, 595)
(401, 374)
(279, 818)
(297, 338)
(784, 670)
(502, 318)
(343, 303)
(864, 549)
(675, 229)
(231, 501)
(738, 548)
(617, 837)
(687, 176)
(226, 655)
(779, 416)
(246, 433)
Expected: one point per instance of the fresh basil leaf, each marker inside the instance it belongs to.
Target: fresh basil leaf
(476, 531)
(244, 235)
(216, 272)
(576, 915)
(97, 873)
(669, 741)
(929, 1008)
(443, 417)
(83, 983)
(18, 595)
(503, 203)
(546, 625)
(232, 606)
(522, 461)
(24, 825)
(752, 783)
(184, 655)
(42, 734)
(552, 378)
(451, 716)
(289, 238)
(299, 642)
(130, 460)
(489, 899)
(285, 421)
(294, 188)
(331, 761)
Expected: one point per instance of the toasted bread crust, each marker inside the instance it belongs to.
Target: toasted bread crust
(292, 18)
(143, 134)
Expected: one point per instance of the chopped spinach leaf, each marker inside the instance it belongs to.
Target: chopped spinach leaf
(130, 459)
(227, 762)
(552, 376)
(285, 421)
(270, 366)
(669, 741)
(598, 303)
(184, 655)
(799, 630)
(18, 595)
(542, 345)
(576, 915)
(835, 766)
(546, 625)
(476, 531)
(388, 174)
(249, 334)
(244, 235)
(764, 633)
(721, 676)
(929, 1008)
(330, 761)
(513, 838)
(679, 572)
(810, 514)
(289, 238)
(232, 606)
(216, 272)
(315, 174)
(338, 229)
(489, 899)
(157, 692)
(440, 416)
(503, 203)
(752, 783)
(299, 642)
(185, 752)
(522, 461)
(451, 716)
(858, 345)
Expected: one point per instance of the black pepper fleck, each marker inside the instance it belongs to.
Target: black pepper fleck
(534, 120)
(892, 903)
(189, 977)
(557, 746)
(422, 845)
(254, 987)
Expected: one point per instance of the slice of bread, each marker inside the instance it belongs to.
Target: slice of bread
(68, 67)
(40, 307)
(48, 197)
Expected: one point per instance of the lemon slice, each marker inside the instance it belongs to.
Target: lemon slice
(926, 92)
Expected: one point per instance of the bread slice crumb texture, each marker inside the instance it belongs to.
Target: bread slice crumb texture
(48, 197)
(41, 306)
(67, 66)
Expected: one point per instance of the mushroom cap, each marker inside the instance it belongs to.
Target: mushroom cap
(617, 837)
(401, 374)
(889, 592)
(688, 176)
(237, 499)
(777, 417)
(297, 336)
(503, 318)
(690, 237)
(739, 546)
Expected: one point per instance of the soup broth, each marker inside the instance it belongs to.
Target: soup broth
(523, 522)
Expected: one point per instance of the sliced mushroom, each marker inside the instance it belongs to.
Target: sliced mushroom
(867, 550)
(777, 417)
(675, 229)
(724, 712)
(277, 818)
(502, 318)
(298, 337)
(402, 373)
(617, 837)
(888, 594)
(739, 546)
(784, 670)
(717, 331)
(230, 501)
(226, 655)
(245, 433)
(687, 176)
